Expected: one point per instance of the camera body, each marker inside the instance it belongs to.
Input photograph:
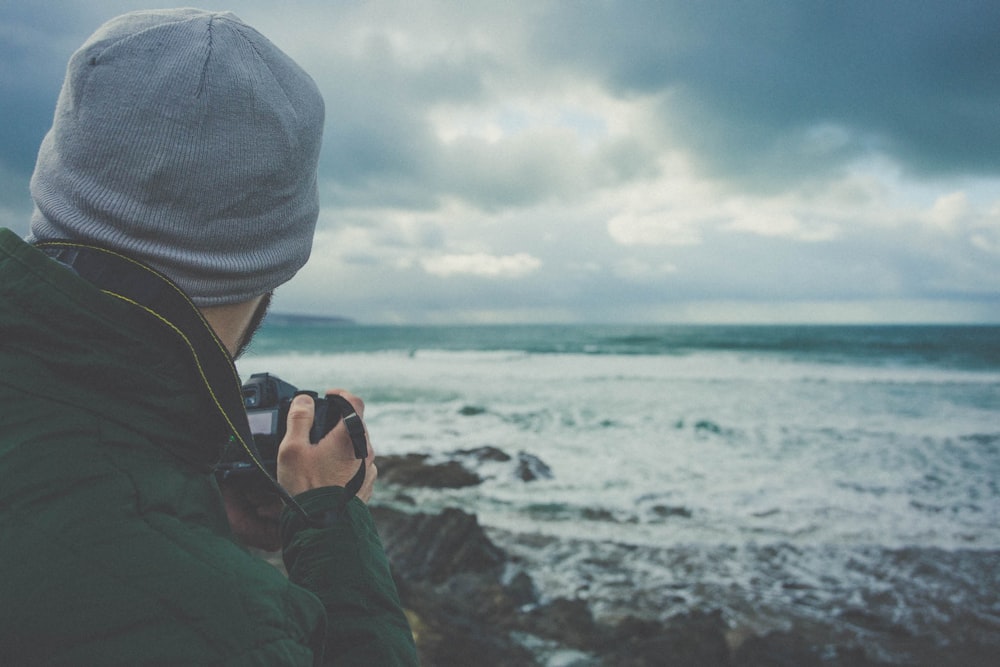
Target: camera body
(267, 399)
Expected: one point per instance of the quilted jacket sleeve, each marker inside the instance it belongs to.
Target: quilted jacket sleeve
(343, 563)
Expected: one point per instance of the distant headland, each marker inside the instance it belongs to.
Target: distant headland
(290, 319)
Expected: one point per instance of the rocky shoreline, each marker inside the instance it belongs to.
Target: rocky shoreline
(472, 597)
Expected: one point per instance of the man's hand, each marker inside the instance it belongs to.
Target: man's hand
(303, 466)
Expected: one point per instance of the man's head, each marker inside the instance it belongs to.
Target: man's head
(187, 140)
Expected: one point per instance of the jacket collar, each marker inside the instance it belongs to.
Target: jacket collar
(104, 355)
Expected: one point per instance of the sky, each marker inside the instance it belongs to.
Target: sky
(616, 161)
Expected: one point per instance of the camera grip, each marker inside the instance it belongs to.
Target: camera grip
(329, 410)
(326, 416)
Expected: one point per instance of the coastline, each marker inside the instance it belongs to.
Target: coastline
(521, 598)
(733, 496)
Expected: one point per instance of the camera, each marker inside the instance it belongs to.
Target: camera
(266, 399)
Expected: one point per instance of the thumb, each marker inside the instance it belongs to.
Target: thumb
(300, 417)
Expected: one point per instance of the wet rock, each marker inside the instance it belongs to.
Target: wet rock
(434, 547)
(666, 511)
(689, 640)
(484, 453)
(472, 603)
(530, 468)
(790, 649)
(707, 426)
(449, 576)
(414, 470)
(448, 639)
(569, 622)
(521, 589)
(469, 602)
(597, 514)
(464, 610)
(777, 649)
(971, 654)
(417, 470)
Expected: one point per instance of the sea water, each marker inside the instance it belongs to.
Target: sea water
(837, 472)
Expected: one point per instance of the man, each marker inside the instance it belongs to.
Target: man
(174, 192)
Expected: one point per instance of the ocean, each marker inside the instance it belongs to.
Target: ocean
(844, 477)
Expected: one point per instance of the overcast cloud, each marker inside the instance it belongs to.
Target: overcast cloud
(617, 161)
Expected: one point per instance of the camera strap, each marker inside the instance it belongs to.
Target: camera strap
(135, 283)
(359, 441)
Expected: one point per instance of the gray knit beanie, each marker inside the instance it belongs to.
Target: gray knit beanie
(187, 140)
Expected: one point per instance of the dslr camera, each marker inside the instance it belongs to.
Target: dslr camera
(267, 399)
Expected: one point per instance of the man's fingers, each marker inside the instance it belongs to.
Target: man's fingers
(331, 461)
(300, 417)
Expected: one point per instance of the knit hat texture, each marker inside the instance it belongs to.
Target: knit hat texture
(186, 140)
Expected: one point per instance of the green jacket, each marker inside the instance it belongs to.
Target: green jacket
(114, 543)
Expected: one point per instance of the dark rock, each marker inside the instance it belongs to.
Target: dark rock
(597, 514)
(569, 622)
(873, 622)
(790, 649)
(777, 649)
(391, 465)
(463, 620)
(413, 470)
(631, 627)
(435, 547)
(671, 510)
(522, 589)
(972, 654)
(690, 640)
(477, 595)
(470, 604)
(452, 640)
(485, 453)
(449, 577)
(530, 468)
(707, 426)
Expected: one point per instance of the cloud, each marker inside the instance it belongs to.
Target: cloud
(482, 265)
(36, 40)
(785, 90)
(618, 160)
(652, 228)
(948, 210)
